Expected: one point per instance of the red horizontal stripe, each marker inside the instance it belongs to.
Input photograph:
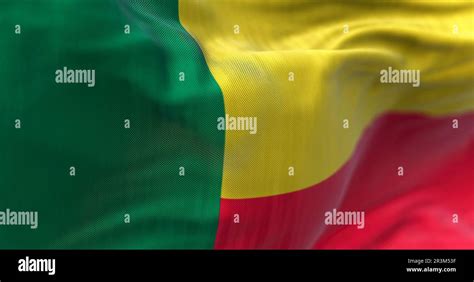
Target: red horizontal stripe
(412, 211)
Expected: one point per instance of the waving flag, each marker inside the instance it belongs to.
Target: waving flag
(238, 124)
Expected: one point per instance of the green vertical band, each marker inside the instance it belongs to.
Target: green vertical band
(118, 170)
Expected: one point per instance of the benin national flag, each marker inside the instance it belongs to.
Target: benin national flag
(236, 124)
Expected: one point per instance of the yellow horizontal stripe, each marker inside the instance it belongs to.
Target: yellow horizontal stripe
(336, 77)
